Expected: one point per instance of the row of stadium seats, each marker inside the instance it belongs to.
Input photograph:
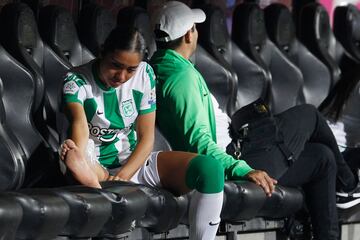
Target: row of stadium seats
(35, 55)
(268, 59)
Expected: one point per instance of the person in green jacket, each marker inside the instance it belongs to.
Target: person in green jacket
(189, 118)
(185, 110)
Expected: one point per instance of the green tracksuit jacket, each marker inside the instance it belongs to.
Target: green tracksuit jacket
(185, 113)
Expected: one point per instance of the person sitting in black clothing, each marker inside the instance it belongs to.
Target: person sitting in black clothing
(343, 114)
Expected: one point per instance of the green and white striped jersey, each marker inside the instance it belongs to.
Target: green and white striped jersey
(111, 112)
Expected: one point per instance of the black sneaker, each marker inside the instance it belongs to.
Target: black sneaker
(346, 200)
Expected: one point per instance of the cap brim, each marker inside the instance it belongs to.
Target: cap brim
(198, 15)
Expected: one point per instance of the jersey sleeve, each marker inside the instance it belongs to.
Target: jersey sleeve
(148, 100)
(73, 89)
(192, 120)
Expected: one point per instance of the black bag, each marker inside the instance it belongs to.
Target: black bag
(257, 139)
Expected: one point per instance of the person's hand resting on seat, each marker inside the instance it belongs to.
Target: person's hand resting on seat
(262, 179)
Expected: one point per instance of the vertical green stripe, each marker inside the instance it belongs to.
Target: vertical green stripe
(137, 98)
(151, 74)
(109, 153)
(90, 107)
(112, 113)
(132, 139)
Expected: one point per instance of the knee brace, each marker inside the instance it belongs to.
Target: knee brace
(205, 174)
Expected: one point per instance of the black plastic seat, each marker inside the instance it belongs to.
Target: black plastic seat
(316, 34)
(23, 42)
(131, 207)
(139, 18)
(245, 200)
(156, 209)
(11, 215)
(164, 212)
(218, 78)
(89, 210)
(346, 28)
(38, 160)
(57, 29)
(249, 33)
(114, 209)
(12, 170)
(44, 214)
(281, 31)
(94, 25)
(252, 81)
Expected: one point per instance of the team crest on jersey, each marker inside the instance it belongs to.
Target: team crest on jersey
(70, 87)
(128, 108)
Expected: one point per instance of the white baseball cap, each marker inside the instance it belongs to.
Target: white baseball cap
(175, 19)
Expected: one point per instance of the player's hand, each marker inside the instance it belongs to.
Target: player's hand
(116, 178)
(262, 179)
(120, 176)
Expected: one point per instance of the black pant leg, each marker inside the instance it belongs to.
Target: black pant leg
(315, 172)
(352, 157)
(304, 123)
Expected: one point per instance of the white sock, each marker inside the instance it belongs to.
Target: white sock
(204, 215)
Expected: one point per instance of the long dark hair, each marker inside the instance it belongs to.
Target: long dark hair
(124, 38)
(332, 107)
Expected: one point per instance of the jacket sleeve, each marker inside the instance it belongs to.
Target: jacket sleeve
(192, 120)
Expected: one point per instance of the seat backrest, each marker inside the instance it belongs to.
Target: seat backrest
(12, 170)
(281, 31)
(18, 99)
(216, 76)
(315, 33)
(139, 18)
(248, 79)
(346, 27)
(94, 25)
(249, 33)
(57, 29)
(44, 64)
(23, 42)
(215, 40)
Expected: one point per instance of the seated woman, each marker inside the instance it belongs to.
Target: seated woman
(111, 103)
(343, 114)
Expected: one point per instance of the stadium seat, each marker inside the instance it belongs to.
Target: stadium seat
(281, 31)
(244, 200)
(23, 42)
(346, 29)
(94, 25)
(44, 214)
(139, 18)
(249, 33)
(252, 81)
(89, 209)
(57, 29)
(219, 79)
(10, 217)
(316, 34)
(113, 209)
(12, 171)
(38, 161)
